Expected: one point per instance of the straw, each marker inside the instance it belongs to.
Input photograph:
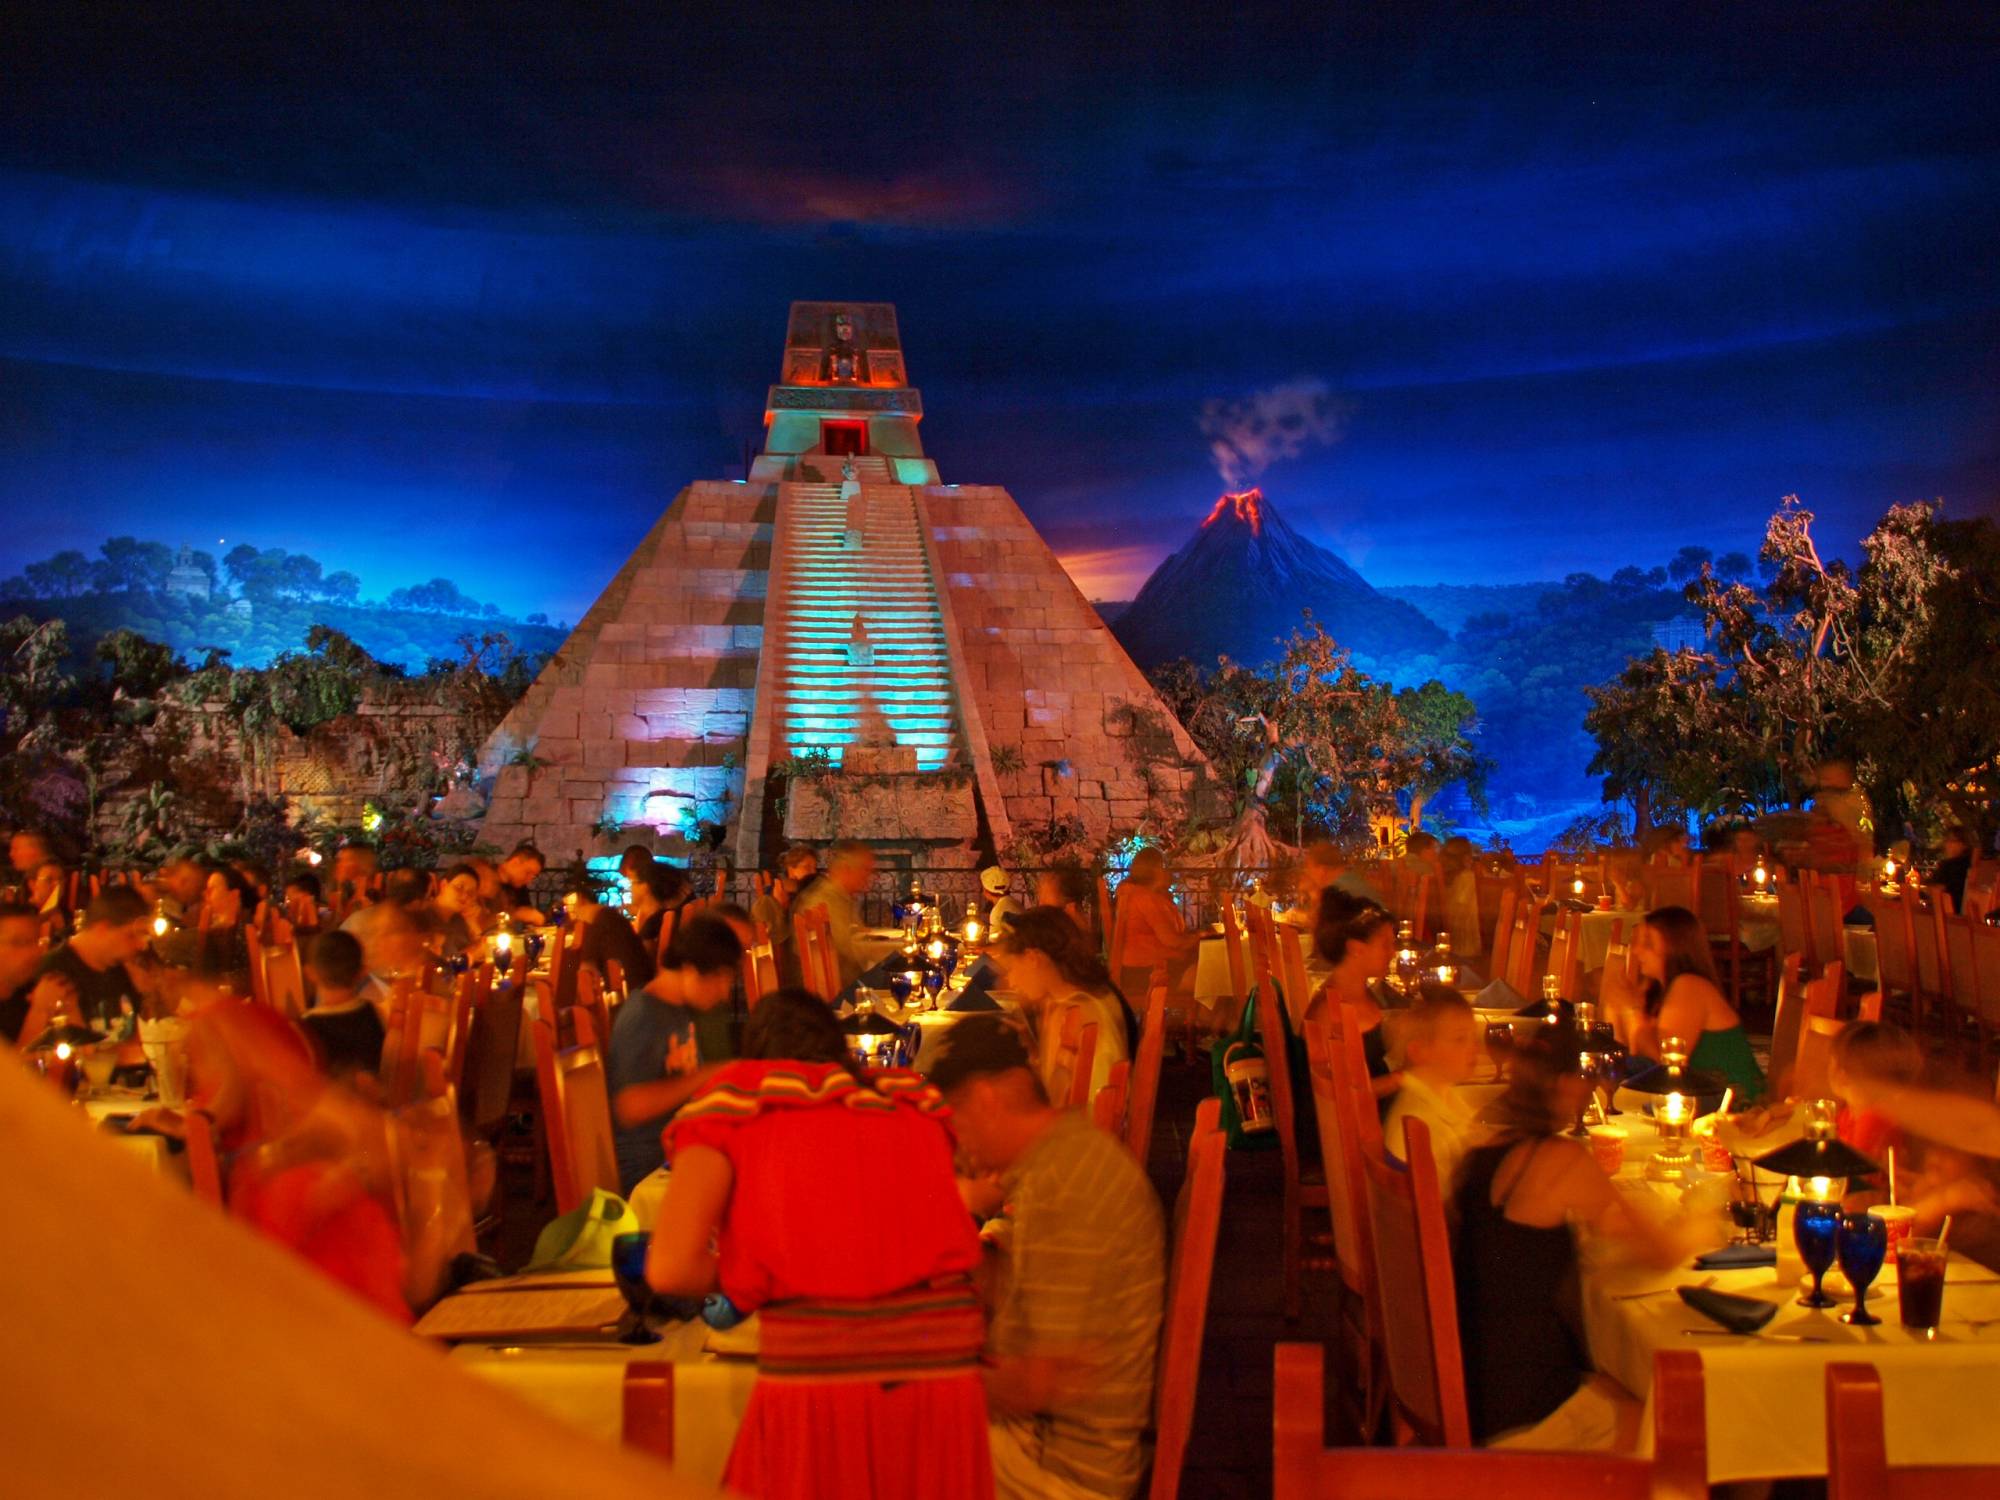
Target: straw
(1944, 1233)
(1727, 1095)
(1892, 1176)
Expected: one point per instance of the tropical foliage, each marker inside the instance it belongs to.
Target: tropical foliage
(1888, 665)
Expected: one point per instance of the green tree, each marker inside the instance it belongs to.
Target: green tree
(342, 587)
(60, 577)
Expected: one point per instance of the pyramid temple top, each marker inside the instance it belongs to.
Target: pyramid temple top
(843, 391)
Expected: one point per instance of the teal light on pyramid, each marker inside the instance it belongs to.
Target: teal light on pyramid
(840, 602)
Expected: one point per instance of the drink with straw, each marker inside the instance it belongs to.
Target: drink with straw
(1920, 1266)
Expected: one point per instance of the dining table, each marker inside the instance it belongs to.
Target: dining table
(581, 1382)
(1212, 979)
(1765, 1391)
(106, 1106)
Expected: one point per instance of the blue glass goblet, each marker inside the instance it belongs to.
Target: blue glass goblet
(532, 945)
(933, 983)
(1814, 1229)
(901, 986)
(628, 1269)
(1862, 1242)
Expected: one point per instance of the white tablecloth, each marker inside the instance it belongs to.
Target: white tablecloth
(584, 1386)
(1766, 1395)
(1211, 969)
(151, 1149)
(1595, 930)
(1858, 947)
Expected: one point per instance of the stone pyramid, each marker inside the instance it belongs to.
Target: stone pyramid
(838, 646)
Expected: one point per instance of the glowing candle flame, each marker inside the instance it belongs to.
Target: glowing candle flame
(1821, 1189)
(62, 1051)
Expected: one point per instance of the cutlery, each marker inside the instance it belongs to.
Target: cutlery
(1724, 1333)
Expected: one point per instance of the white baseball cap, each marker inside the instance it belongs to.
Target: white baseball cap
(994, 880)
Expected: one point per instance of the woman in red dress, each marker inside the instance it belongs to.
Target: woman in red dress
(831, 1198)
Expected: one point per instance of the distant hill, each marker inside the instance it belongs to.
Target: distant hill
(1108, 610)
(1450, 605)
(254, 634)
(1240, 586)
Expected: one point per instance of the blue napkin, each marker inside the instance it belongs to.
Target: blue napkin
(1737, 1314)
(1735, 1257)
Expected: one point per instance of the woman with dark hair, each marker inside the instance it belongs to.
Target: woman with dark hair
(1357, 940)
(1051, 967)
(830, 1197)
(228, 902)
(1528, 1376)
(1672, 991)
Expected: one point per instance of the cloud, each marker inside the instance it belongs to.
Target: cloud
(1249, 434)
(1112, 572)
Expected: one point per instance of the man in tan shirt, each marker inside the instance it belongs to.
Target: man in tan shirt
(1077, 1293)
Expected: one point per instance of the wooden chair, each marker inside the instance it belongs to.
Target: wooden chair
(1107, 1110)
(1857, 1458)
(813, 931)
(1672, 885)
(576, 1116)
(1618, 961)
(1825, 929)
(1336, 1073)
(1081, 1068)
(1419, 1306)
(1197, 1221)
(592, 999)
(1927, 947)
(1304, 1468)
(1986, 976)
(1896, 955)
(492, 1046)
(1520, 971)
(1502, 948)
(1239, 968)
(1792, 937)
(1302, 1189)
(647, 1414)
(1963, 1015)
(204, 1168)
(760, 969)
(1721, 913)
(1787, 1018)
(1819, 1024)
(284, 978)
(1566, 954)
(1145, 1077)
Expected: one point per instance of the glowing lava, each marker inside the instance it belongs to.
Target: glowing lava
(1248, 505)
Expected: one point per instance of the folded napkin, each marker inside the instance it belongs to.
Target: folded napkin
(1737, 1314)
(1735, 1257)
(1499, 995)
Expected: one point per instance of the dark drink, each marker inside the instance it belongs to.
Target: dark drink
(1920, 1282)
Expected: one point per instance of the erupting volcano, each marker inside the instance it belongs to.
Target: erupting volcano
(1242, 585)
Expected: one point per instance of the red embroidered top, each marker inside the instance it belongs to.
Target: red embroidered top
(841, 1193)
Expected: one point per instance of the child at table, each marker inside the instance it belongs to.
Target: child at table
(1441, 1050)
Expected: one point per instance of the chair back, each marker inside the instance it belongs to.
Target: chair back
(1263, 946)
(1895, 943)
(1857, 1454)
(576, 1115)
(1961, 969)
(1191, 1267)
(277, 977)
(591, 998)
(1419, 1302)
(1927, 945)
(1787, 1013)
(1617, 961)
(1566, 954)
(1717, 890)
(1819, 1024)
(1107, 1109)
(1824, 927)
(812, 929)
(1081, 1070)
(1986, 972)
(1520, 970)
(1354, 1252)
(647, 1414)
(1792, 918)
(1145, 1094)
(760, 969)
(430, 1186)
(1503, 929)
(1304, 1468)
(1670, 885)
(669, 920)
(492, 1046)
(1232, 947)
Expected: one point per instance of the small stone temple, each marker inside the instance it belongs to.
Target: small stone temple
(837, 646)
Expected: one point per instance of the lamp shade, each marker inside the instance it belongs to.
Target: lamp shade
(1832, 1157)
(1660, 1079)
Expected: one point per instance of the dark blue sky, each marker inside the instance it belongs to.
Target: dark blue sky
(475, 296)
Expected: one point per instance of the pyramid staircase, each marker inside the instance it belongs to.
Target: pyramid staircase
(820, 694)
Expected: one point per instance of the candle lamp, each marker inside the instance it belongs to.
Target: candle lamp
(160, 919)
(1760, 877)
(1576, 887)
(1672, 1116)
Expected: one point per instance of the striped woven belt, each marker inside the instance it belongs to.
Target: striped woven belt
(925, 1333)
